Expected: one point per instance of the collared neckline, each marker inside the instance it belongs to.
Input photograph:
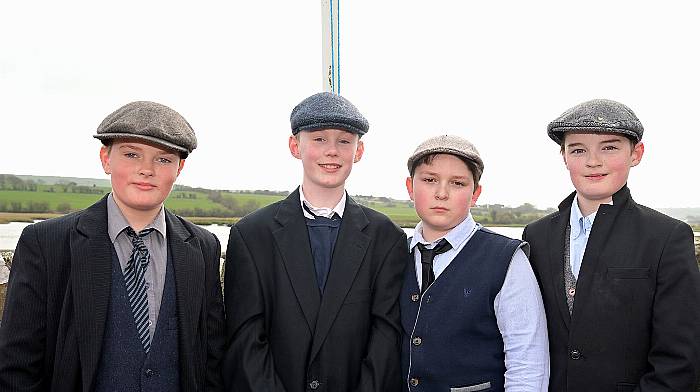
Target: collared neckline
(116, 222)
(322, 211)
(455, 237)
(581, 224)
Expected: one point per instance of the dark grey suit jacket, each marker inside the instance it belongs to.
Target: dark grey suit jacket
(58, 298)
(283, 334)
(635, 324)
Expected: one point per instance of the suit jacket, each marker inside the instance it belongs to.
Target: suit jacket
(58, 298)
(283, 334)
(635, 324)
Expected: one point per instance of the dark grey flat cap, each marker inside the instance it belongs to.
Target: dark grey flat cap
(448, 144)
(598, 115)
(325, 111)
(151, 122)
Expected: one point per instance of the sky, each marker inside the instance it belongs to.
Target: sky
(494, 72)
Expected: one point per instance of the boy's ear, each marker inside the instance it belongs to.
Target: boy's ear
(294, 147)
(180, 166)
(637, 153)
(409, 187)
(360, 150)
(475, 196)
(104, 158)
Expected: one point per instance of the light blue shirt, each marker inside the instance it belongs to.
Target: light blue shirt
(518, 306)
(578, 237)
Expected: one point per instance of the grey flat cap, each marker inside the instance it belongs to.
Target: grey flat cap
(448, 144)
(151, 122)
(598, 115)
(325, 111)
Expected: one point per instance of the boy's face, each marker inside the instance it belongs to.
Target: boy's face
(443, 192)
(327, 156)
(599, 163)
(142, 174)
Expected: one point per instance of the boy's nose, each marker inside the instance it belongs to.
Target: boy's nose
(146, 169)
(592, 160)
(441, 193)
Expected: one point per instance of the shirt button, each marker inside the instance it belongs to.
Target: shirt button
(575, 354)
(314, 384)
(413, 382)
(415, 297)
(149, 372)
(417, 341)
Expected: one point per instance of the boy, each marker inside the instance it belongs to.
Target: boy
(619, 280)
(471, 310)
(311, 282)
(124, 295)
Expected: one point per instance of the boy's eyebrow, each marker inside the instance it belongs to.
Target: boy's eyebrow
(615, 140)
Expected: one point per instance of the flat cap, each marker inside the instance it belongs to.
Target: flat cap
(598, 115)
(325, 111)
(448, 144)
(149, 121)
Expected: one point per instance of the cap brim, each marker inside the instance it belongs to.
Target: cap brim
(155, 140)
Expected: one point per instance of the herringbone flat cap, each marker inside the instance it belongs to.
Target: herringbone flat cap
(149, 121)
(598, 115)
(327, 111)
(448, 144)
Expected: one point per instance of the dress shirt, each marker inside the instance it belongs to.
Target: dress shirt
(157, 249)
(518, 307)
(578, 237)
(322, 211)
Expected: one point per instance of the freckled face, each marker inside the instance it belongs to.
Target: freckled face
(599, 163)
(327, 156)
(443, 192)
(142, 174)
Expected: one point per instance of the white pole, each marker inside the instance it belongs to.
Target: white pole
(330, 30)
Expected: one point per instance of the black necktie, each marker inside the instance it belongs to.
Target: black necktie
(426, 260)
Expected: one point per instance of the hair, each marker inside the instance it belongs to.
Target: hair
(633, 141)
(428, 159)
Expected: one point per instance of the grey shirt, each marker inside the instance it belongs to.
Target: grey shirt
(157, 248)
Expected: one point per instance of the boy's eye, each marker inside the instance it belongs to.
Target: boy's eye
(577, 151)
(610, 148)
(344, 141)
(319, 139)
(429, 179)
(164, 161)
(130, 155)
(459, 183)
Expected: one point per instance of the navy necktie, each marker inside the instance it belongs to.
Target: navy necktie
(134, 277)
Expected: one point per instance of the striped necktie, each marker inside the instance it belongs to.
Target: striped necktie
(134, 277)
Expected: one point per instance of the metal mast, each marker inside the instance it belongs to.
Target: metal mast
(330, 30)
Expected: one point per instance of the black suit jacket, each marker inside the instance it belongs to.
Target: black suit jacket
(283, 334)
(635, 324)
(58, 298)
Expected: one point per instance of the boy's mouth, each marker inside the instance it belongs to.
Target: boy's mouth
(330, 166)
(439, 209)
(596, 176)
(144, 185)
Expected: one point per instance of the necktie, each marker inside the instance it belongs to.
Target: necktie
(134, 277)
(426, 259)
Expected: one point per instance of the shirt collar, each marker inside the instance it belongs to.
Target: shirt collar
(455, 237)
(116, 222)
(322, 211)
(581, 224)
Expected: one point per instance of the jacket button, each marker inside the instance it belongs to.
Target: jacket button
(413, 382)
(415, 297)
(149, 372)
(575, 354)
(314, 384)
(417, 341)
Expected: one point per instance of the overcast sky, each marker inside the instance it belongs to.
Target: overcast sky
(495, 72)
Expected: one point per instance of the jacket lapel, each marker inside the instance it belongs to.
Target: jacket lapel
(293, 242)
(598, 238)
(557, 237)
(348, 255)
(188, 267)
(91, 277)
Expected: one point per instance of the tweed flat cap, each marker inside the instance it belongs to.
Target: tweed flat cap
(327, 110)
(152, 122)
(448, 144)
(598, 115)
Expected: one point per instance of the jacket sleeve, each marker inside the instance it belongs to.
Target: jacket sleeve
(215, 317)
(23, 327)
(674, 355)
(381, 368)
(248, 363)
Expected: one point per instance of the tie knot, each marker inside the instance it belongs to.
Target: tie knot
(137, 238)
(427, 255)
